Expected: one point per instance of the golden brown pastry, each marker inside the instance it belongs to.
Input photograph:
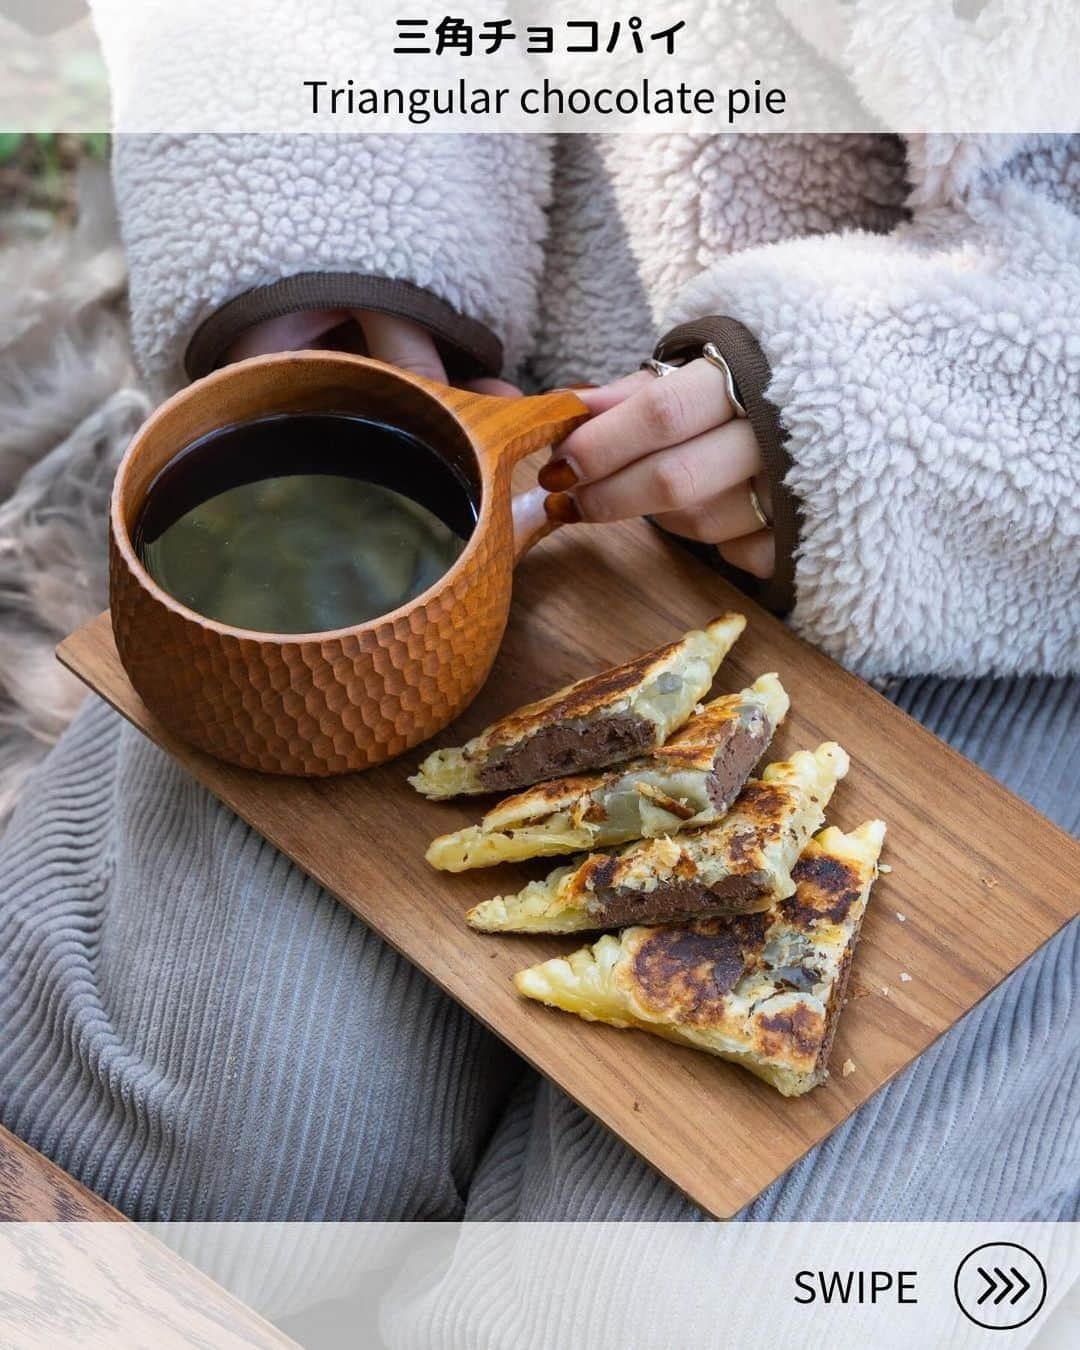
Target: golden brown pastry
(604, 719)
(690, 781)
(764, 990)
(737, 866)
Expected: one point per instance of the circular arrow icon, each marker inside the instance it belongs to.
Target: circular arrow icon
(1000, 1286)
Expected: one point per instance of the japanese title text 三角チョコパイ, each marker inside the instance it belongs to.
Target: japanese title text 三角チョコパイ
(420, 37)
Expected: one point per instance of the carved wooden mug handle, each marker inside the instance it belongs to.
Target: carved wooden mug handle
(531, 521)
(514, 428)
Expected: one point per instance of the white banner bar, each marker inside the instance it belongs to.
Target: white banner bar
(699, 66)
(618, 1286)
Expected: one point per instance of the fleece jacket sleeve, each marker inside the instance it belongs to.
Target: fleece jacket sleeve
(223, 231)
(927, 384)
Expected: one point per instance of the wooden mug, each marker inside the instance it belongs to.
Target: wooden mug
(314, 704)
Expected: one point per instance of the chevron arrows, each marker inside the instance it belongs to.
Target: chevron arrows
(1000, 1286)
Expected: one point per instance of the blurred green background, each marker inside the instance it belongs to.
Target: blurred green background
(37, 179)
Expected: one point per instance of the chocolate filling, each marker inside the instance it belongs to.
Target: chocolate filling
(833, 1010)
(735, 759)
(570, 747)
(677, 901)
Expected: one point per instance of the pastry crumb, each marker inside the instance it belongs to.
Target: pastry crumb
(848, 1068)
(905, 978)
(699, 707)
(885, 991)
(901, 918)
(884, 869)
(990, 882)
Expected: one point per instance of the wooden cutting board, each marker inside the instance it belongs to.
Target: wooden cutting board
(981, 879)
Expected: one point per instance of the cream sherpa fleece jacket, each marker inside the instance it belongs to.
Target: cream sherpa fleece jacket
(914, 306)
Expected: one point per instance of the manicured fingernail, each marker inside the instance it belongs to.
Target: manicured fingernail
(559, 475)
(561, 508)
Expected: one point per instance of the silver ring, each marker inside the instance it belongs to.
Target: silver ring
(658, 368)
(759, 510)
(711, 353)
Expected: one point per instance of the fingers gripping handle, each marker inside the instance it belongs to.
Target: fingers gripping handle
(556, 416)
(542, 420)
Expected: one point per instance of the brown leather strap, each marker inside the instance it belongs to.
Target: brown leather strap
(467, 347)
(750, 369)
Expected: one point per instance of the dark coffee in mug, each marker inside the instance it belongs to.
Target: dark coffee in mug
(303, 522)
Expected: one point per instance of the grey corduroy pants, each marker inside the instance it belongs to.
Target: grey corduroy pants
(194, 1029)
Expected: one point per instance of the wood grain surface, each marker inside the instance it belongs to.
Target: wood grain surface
(65, 1280)
(35, 1190)
(981, 878)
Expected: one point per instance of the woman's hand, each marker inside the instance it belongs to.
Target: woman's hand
(671, 448)
(398, 342)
